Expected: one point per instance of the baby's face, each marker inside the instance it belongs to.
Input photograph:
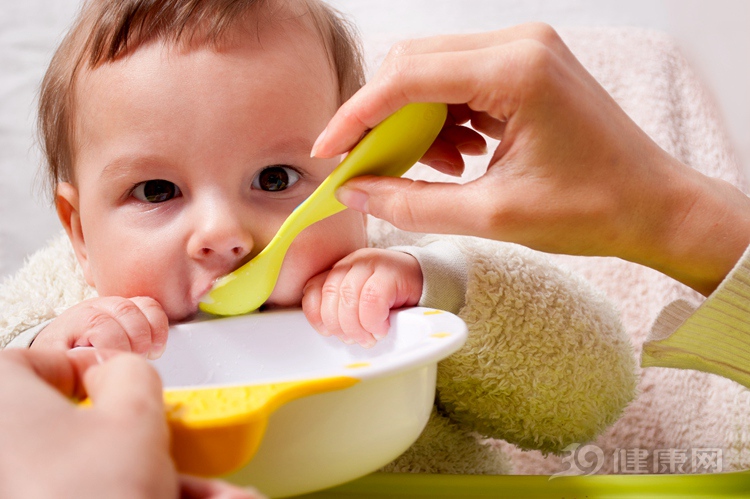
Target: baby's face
(188, 161)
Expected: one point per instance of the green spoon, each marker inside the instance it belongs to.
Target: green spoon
(389, 149)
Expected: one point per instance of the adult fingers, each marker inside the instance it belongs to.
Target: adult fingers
(61, 370)
(127, 387)
(466, 140)
(382, 97)
(444, 157)
(192, 487)
(458, 114)
(472, 41)
(487, 74)
(419, 206)
(454, 140)
(158, 323)
(488, 125)
(82, 359)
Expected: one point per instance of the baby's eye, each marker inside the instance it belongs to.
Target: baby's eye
(275, 178)
(156, 191)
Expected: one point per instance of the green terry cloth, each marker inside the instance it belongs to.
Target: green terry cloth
(714, 337)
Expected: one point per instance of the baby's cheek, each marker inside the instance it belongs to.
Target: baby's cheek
(139, 274)
(299, 266)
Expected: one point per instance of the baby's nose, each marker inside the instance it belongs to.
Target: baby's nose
(230, 250)
(221, 238)
(222, 245)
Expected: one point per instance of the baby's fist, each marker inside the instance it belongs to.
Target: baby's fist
(353, 300)
(137, 325)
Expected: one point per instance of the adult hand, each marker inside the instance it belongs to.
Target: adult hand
(572, 174)
(119, 447)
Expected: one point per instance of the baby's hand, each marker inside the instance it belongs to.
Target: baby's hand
(353, 300)
(137, 325)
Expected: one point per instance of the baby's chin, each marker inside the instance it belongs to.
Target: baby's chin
(189, 311)
(284, 298)
(176, 317)
(182, 311)
(185, 306)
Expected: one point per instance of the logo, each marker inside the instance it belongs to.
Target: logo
(582, 460)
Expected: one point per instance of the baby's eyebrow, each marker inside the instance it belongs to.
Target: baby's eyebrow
(124, 166)
(294, 143)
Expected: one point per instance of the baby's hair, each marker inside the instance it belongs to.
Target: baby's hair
(106, 30)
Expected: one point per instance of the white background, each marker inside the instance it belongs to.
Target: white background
(714, 35)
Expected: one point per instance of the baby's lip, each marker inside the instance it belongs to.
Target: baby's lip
(202, 292)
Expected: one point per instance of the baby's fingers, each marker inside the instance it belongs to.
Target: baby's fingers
(396, 283)
(158, 324)
(312, 296)
(353, 296)
(106, 333)
(115, 318)
(331, 294)
(377, 298)
(89, 323)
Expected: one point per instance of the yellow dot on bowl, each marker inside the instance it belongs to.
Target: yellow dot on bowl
(357, 365)
(440, 335)
(433, 312)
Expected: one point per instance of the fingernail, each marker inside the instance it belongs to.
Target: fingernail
(472, 148)
(314, 151)
(353, 198)
(444, 167)
(104, 354)
(348, 341)
(156, 351)
(379, 336)
(320, 328)
(368, 343)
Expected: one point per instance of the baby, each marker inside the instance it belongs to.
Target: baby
(178, 136)
(178, 149)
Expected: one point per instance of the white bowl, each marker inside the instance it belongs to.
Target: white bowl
(325, 439)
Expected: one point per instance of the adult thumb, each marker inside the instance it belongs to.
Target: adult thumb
(414, 205)
(126, 385)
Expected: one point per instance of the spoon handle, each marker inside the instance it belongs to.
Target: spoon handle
(389, 149)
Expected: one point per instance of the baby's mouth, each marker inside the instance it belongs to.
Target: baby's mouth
(200, 294)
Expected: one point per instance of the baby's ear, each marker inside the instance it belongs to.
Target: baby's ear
(66, 202)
